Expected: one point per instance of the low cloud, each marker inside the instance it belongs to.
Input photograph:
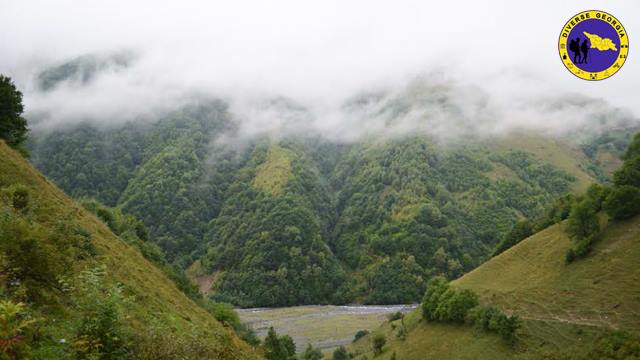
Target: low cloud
(435, 105)
(339, 70)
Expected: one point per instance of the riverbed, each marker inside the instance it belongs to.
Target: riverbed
(324, 326)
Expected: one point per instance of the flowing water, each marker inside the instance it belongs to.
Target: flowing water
(324, 326)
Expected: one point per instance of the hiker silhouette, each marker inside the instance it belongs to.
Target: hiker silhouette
(574, 46)
(585, 50)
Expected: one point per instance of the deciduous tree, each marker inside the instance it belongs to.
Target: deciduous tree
(13, 127)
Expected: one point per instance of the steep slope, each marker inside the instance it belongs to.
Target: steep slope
(600, 290)
(562, 155)
(440, 206)
(160, 171)
(409, 203)
(387, 212)
(269, 242)
(565, 309)
(55, 222)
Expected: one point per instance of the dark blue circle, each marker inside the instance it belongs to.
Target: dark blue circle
(597, 60)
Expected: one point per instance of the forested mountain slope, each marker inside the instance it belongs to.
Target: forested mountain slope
(363, 221)
(270, 238)
(443, 206)
(88, 292)
(567, 292)
(156, 171)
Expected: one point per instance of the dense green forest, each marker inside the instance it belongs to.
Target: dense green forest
(560, 286)
(304, 220)
(156, 172)
(270, 238)
(410, 210)
(620, 201)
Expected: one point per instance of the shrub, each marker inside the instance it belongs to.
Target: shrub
(402, 333)
(455, 304)
(623, 202)
(33, 263)
(482, 316)
(583, 247)
(101, 332)
(629, 173)
(395, 316)
(507, 327)
(633, 149)
(360, 334)
(84, 242)
(20, 197)
(163, 341)
(444, 303)
(570, 256)
(224, 313)
(583, 222)
(246, 333)
(311, 353)
(520, 231)
(616, 345)
(340, 354)
(378, 343)
(559, 211)
(489, 318)
(14, 328)
(108, 218)
(436, 287)
(597, 194)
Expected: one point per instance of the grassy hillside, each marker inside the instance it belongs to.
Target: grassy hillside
(273, 174)
(565, 308)
(153, 301)
(601, 290)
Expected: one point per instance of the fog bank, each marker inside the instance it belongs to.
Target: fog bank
(340, 70)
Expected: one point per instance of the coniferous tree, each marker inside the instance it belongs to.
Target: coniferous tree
(278, 348)
(312, 353)
(273, 349)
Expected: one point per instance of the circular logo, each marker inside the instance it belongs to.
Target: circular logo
(593, 45)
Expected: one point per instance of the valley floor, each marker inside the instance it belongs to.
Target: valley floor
(324, 326)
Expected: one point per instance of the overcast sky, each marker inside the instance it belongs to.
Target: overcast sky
(316, 52)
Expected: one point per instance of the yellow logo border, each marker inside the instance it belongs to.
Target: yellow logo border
(599, 15)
